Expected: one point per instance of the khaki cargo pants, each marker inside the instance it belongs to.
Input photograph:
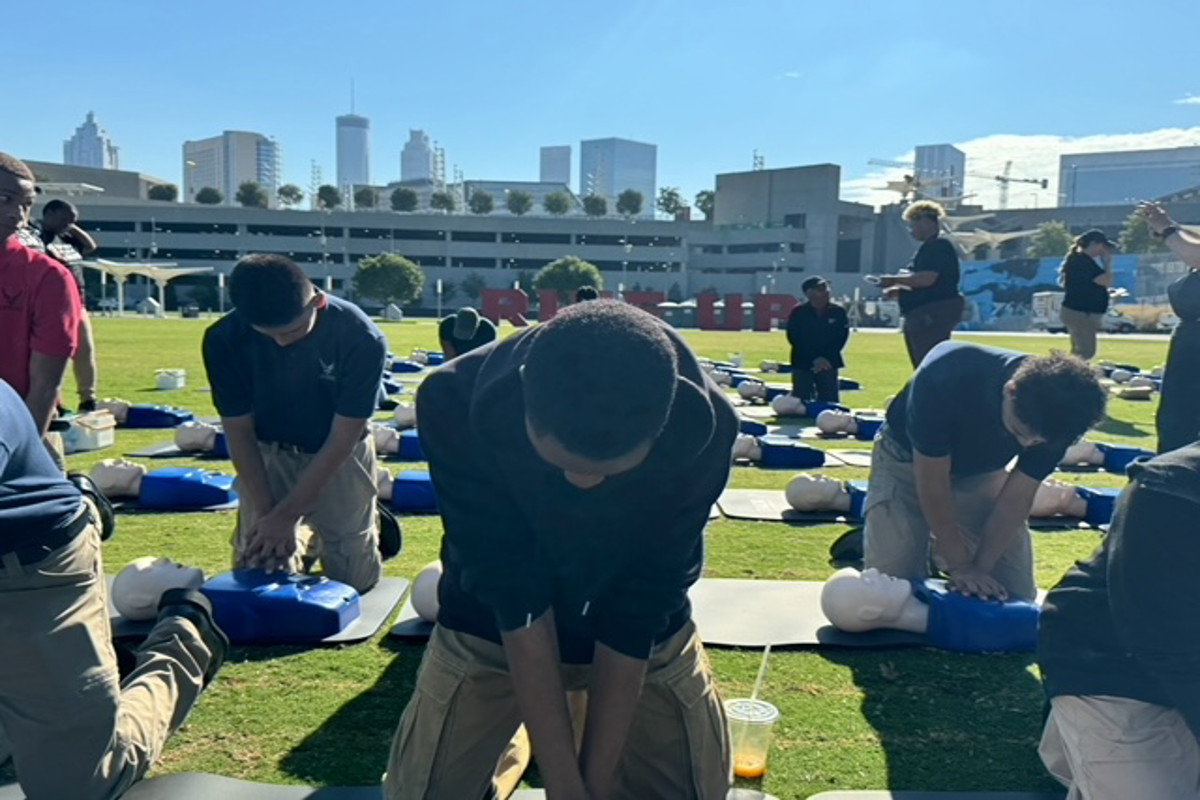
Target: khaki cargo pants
(1114, 748)
(896, 537)
(74, 731)
(341, 530)
(463, 714)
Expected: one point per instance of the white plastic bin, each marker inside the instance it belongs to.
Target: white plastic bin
(170, 378)
(90, 431)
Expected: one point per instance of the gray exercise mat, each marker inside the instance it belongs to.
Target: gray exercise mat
(886, 795)
(374, 609)
(771, 505)
(409, 626)
(131, 506)
(171, 450)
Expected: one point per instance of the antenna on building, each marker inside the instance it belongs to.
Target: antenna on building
(439, 166)
(352, 95)
(760, 163)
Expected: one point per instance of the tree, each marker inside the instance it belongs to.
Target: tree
(1137, 238)
(595, 206)
(389, 278)
(1051, 240)
(365, 197)
(473, 285)
(670, 201)
(675, 293)
(629, 202)
(706, 199)
(442, 201)
(209, 196)
(481, 203)
(449, 291)
(566, 275)
(167, 192)
(251, 195)
(328, 197)
(556, 203)
(405, 200)
(290, 195)
(518, 203)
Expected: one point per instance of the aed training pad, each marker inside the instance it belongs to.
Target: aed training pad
(374, 609)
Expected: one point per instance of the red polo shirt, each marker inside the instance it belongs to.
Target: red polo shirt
(39, 311)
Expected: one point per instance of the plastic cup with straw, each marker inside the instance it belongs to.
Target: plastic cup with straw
(751, 722)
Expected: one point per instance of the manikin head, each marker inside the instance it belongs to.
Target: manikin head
(924, 219)
(1083, 452)
(1121, 375)
(721, 378)
(117, 407)
(815, 493)
(196, 436)
(418, 356)
(833, 421)
(599, 381)
(425, 591)
(856, 601)
(752, 390)
(406, 415)
(17, 193)
(57, 216)
(1141, 382)
(383, 483)
(1055, 498)
(1051, 398)
(769, 366)
(747, 447)
(387, 439)
(138, 587)
(116, 477)
(276, 298)
(786, 405)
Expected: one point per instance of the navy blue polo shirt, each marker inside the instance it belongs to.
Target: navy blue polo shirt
(294, 391)
(952, 407)
(35, 497)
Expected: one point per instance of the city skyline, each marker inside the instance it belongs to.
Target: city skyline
(798, 84)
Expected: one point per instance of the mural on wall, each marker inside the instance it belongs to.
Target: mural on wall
(1000, 293)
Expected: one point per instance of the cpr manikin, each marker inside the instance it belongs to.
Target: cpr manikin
(832, 422)
(425, 591)
(776, 452)
(1110, 457)
(405, 415)
(410, 492)
(1058, 499)
(129, 415)
(757, 391)
(138, 587)
(822, 493)
(788, 405)
(176, 488)
(857, 602)
(201, 437)
(393, 442)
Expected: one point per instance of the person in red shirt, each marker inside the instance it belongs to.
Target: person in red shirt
(39, 304)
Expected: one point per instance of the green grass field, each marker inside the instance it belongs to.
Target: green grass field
(902, 719)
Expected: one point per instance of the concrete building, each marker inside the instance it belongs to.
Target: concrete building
(227, 161)
(353, 152)
(63, 180)
(608, 167)
(1117, 178)
(416, 159)
(940, 169)
(91, 147)
(556, 164)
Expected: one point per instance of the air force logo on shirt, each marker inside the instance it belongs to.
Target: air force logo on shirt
(326, 370)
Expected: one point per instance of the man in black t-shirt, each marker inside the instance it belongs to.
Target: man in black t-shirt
(927, 289)
(938, 469)
(295, 376)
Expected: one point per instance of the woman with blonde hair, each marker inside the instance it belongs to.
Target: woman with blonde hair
(1086, 275)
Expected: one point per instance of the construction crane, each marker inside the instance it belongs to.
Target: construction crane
(1006, 179)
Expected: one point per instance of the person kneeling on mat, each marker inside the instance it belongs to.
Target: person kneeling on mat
(1118, 649)
(938, 479)
(464, 331)
(574, 513)
(295, 376)
(76, 729)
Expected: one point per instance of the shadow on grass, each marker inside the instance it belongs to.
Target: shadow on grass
(1119, 427)
(952, 722)
(351, 747)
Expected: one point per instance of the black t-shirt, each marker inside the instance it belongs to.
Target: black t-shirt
(934, 255)
(815, 335)
(952, 407)
(1079, 279)
(485, 333)
(1122, 623)
(295, 391)
(615, 561)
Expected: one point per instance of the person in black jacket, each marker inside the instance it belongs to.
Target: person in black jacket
(817, 331)
(575, 464)
(1119, 650)
(1086, 275)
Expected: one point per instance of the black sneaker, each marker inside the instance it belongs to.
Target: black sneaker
(87, 406)
(193, 606)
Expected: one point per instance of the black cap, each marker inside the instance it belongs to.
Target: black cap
(1094, 236)
(813, 283)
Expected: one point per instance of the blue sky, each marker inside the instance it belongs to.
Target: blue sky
(708, 81)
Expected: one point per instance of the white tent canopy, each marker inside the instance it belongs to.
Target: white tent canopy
(160, 272)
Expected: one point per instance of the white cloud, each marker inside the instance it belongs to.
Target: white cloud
(1190, 100)
(793, 76)
(1032, 156)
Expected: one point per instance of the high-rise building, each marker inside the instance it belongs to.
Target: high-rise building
(1116, 178)
(227, 161)
(556, 164)
(90, 147)
(939, 171)
(608, 167)
(353, 151)
(416, 159)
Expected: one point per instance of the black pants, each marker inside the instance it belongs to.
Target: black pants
(1178, 417)
(809, 385)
